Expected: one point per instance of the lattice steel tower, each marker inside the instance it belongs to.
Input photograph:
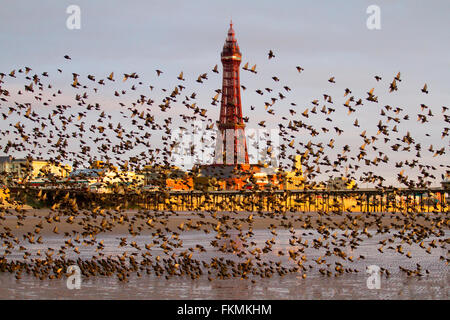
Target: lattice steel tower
(231, 146)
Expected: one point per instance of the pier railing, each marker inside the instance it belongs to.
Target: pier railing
(360, 200)
(435, 200)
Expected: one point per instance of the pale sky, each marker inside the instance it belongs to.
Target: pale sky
(326, 38)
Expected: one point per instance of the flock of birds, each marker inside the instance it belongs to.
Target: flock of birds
(83, 131)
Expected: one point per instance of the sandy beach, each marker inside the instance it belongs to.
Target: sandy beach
(119, 222)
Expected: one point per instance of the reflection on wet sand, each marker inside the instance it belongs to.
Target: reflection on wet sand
(398, 285)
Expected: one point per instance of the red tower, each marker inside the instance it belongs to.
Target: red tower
(231, 146)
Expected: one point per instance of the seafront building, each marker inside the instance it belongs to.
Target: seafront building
(104, 178)
(26, 170)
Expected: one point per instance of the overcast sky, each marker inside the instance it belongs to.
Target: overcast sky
(326, 38)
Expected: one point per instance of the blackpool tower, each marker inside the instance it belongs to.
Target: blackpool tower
(231, 147)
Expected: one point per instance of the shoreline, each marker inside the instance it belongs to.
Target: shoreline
(120, 222)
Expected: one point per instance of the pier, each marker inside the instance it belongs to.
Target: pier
(358, 200)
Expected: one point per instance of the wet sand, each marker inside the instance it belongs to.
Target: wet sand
(433, 284)
(398, 285)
